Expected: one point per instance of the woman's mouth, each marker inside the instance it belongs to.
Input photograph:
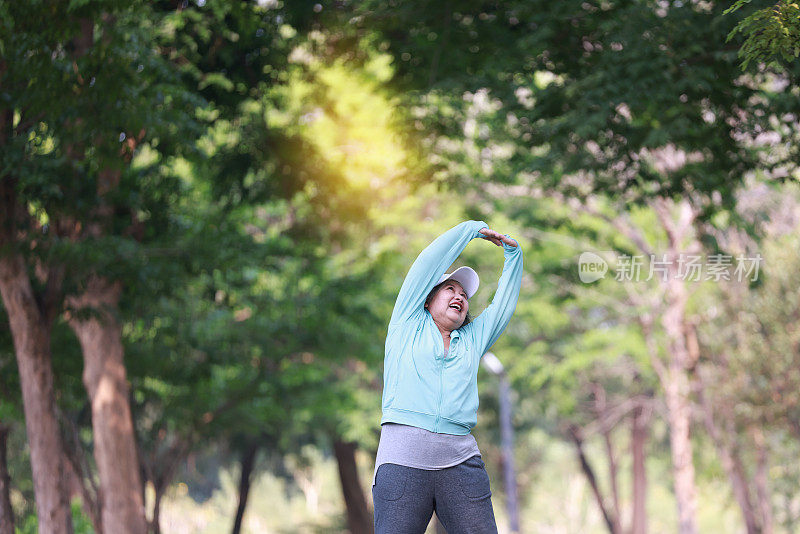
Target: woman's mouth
(456, 306)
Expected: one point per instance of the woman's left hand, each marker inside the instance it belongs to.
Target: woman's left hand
(497, 238)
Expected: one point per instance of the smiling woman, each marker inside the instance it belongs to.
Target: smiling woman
(427, 459)
(447, 303)
(451, 293)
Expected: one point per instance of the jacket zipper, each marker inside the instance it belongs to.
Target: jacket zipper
(441, 394)
(439, 407)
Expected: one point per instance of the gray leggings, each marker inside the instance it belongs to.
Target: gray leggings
(405, 499)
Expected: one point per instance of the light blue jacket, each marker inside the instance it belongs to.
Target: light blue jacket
(422, 387)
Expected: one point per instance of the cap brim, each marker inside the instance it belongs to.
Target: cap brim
(465, 276)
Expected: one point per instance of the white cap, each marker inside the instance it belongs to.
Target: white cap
(465, 276)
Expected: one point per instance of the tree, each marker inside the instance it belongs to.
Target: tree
(633, 101)
(274, 196)
(30, 315)
(772, 34)
(64, 193)
(746, 358)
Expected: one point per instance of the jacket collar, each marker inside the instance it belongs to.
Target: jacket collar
(453, 334)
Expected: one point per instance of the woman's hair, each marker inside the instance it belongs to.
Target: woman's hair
(432, 294)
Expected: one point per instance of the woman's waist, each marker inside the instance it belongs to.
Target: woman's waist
(422, 447)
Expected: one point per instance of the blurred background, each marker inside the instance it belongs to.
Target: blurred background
(207, 208)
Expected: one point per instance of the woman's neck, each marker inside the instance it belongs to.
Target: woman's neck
(445, 335)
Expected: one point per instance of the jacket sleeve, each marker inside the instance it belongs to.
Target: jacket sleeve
(488, 326)
(429, 266)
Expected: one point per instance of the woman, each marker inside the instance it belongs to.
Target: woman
(427, 459)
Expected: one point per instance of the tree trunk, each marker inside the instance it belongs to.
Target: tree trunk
(675, 382)
(80, 474)
(675, 375)
(613, 475)
(248, 460)
(601, 407)
(638, 439)
(155, 524)
(6, 512)
(678, 408)
(731, 462)
(31, 335)
(100, 335)
(608, 515)
(359, 520)
(160, 469)
(762, 482)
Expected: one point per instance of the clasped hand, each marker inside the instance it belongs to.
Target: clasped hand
(496, 237)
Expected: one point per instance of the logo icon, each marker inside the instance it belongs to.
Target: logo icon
(591, 267)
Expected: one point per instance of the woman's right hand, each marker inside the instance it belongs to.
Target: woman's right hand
(496, 237)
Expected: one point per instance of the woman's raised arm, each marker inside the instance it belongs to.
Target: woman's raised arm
(429, 266)
(488, 326)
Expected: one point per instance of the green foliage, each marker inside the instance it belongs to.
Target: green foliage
(583, 98)
(80, 523)
(281, 165)
(772, 34)
(85, 99)
(252, 318)
(227, 221)
(750, 355)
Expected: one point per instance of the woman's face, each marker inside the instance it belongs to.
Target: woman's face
(449, 306)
